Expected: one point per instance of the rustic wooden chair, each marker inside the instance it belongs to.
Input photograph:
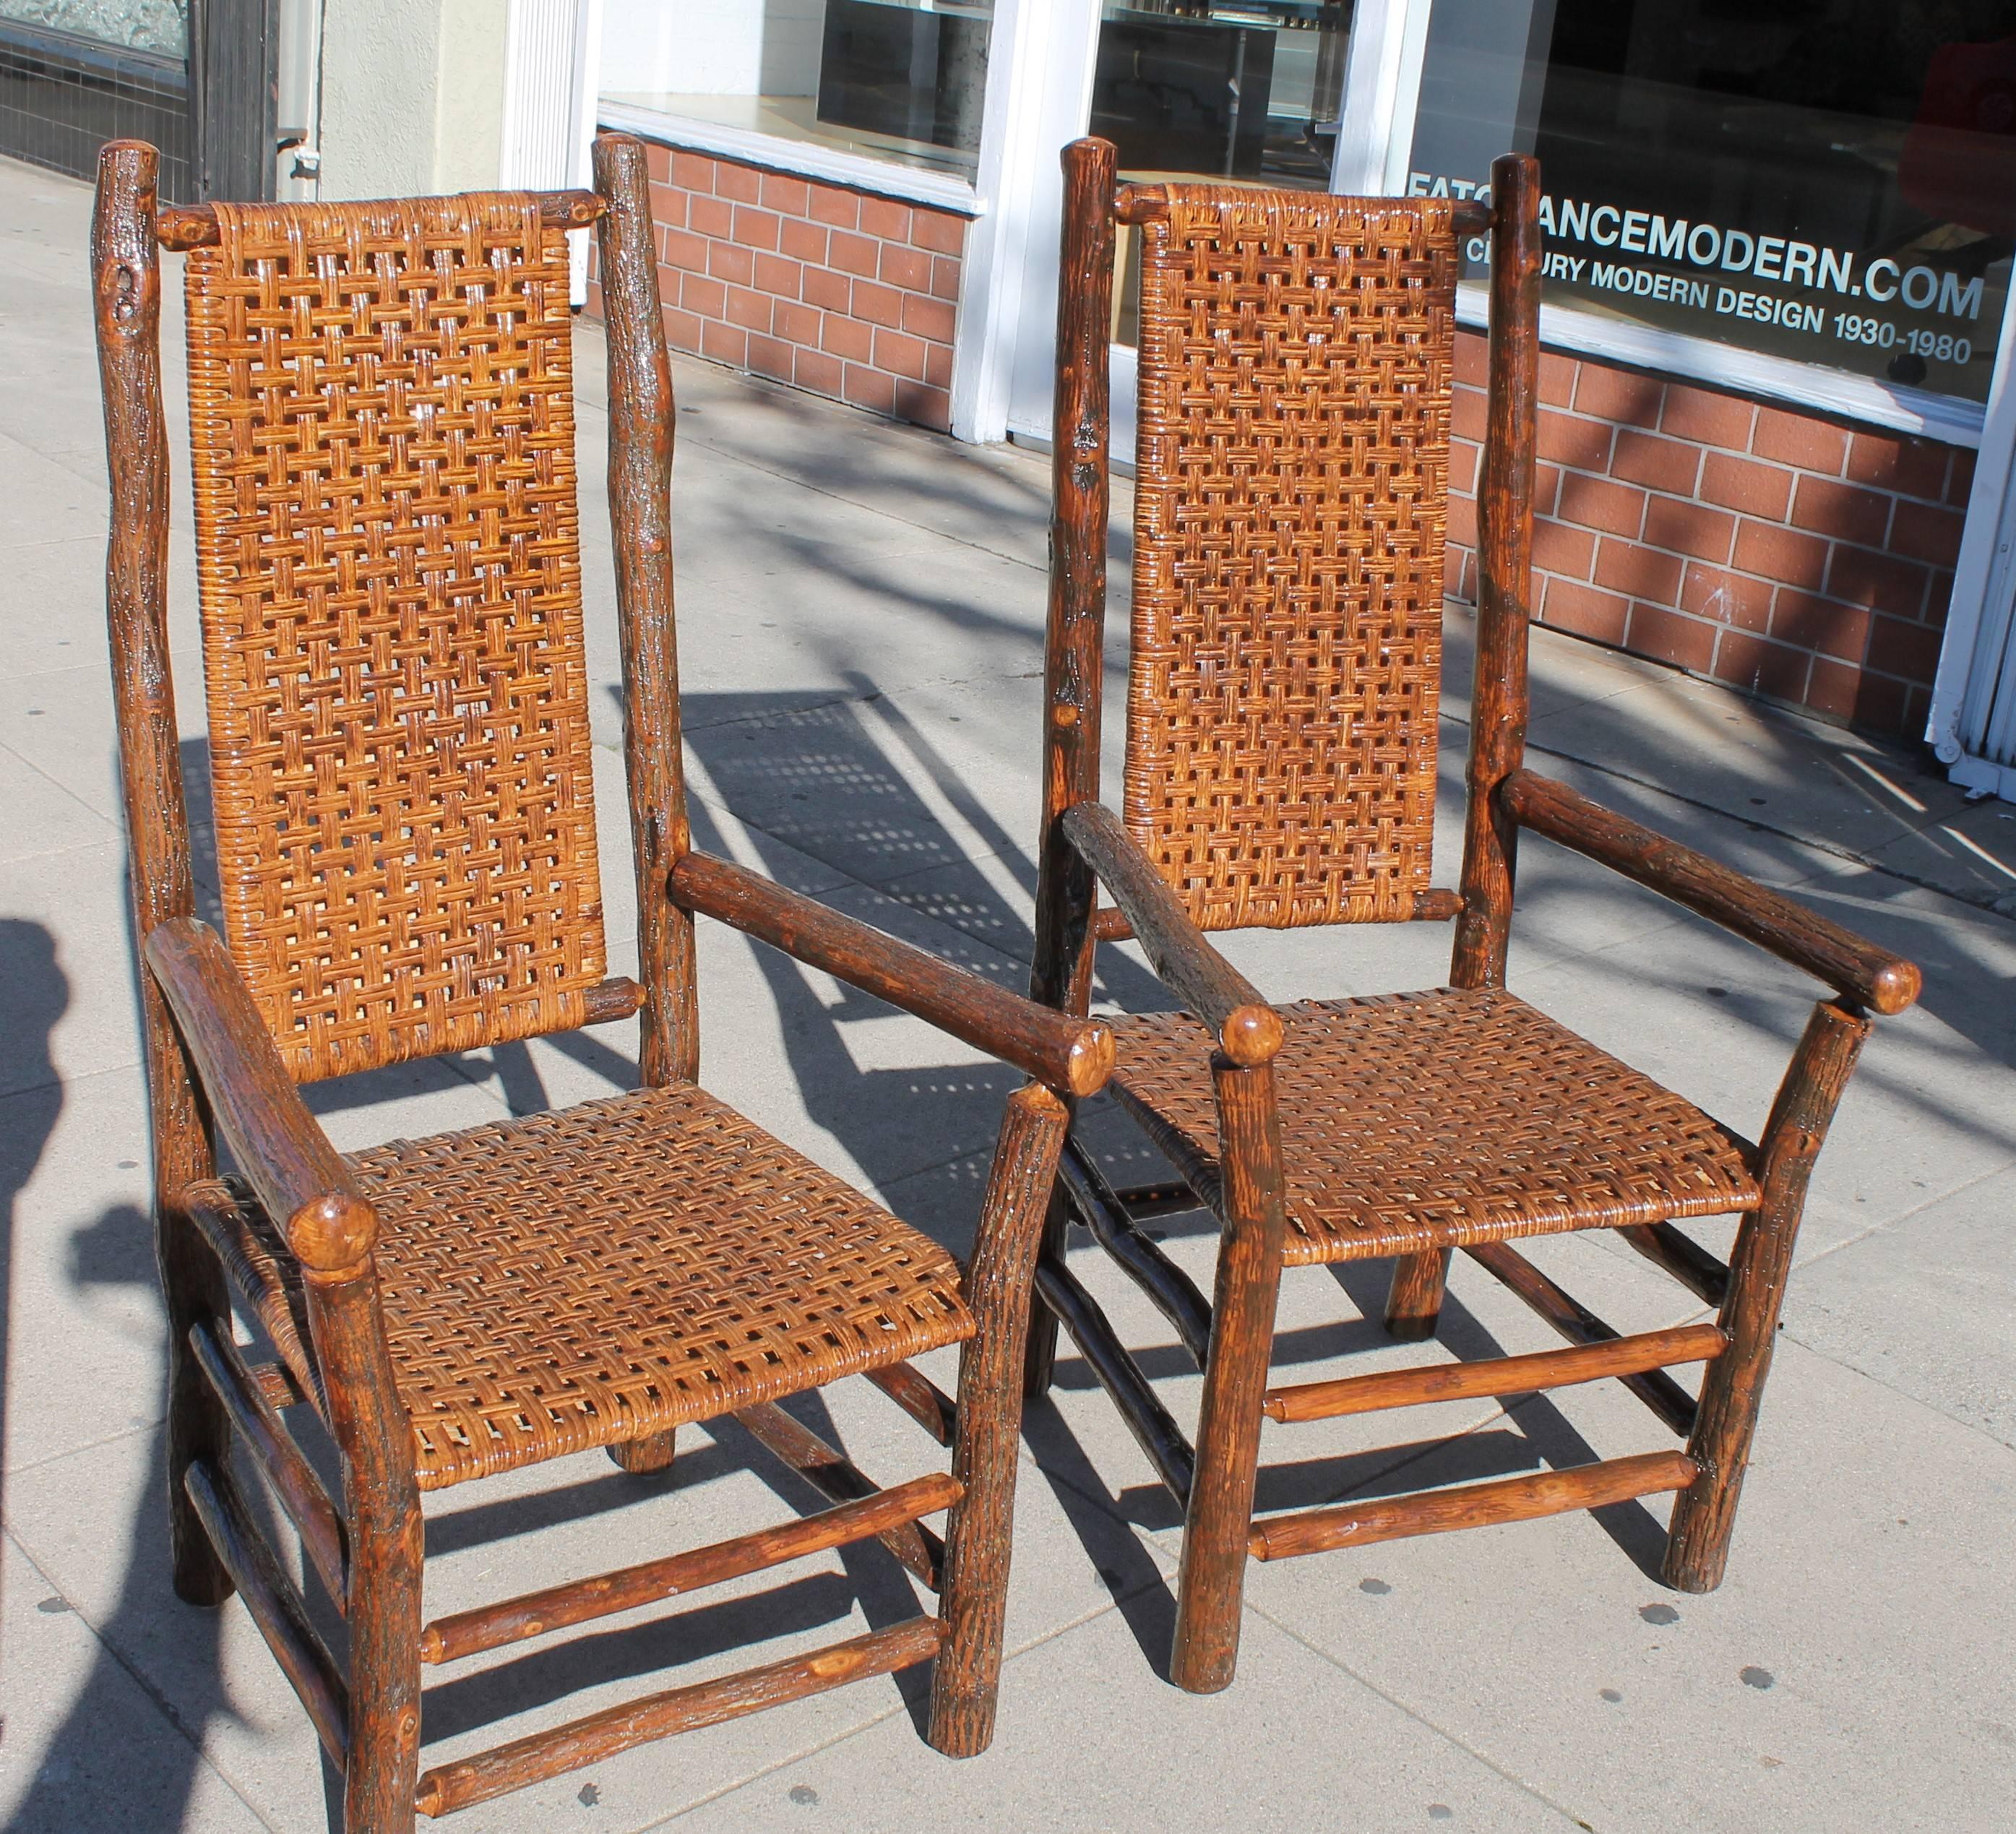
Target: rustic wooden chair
(1295, 386)
(390, 580)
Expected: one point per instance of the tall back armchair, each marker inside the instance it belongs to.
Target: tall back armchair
(390, 576)
(1295, 381)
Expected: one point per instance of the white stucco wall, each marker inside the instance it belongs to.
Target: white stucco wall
(412, 96)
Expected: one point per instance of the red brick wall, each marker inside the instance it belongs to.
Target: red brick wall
(1782, 554)
(828, 289)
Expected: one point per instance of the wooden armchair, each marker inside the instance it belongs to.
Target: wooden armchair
(1295, 364)
(381, 412)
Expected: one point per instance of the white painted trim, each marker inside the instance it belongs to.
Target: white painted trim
(802, 158)
(1034, 107)
(1382, 89)
(1812, 387)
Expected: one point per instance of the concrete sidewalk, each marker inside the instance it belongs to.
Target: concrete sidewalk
(861, 611)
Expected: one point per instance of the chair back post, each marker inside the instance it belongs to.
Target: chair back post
(126, 284)
(641, 416)
(1505, 555)
(1074, 647)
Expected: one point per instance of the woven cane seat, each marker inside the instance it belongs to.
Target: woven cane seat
(1419, 1121)
(586, 1278)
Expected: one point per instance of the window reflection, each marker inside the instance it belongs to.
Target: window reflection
(1248, 92)
(1832, 181)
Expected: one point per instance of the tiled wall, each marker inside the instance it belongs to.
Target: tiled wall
(831, 290)
(1779, 553)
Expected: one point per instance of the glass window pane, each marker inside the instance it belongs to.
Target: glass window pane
(1222, 89)
(899, 80)
(1245, 90)
(159, 26)
(1832, 180)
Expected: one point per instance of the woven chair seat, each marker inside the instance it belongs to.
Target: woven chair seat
(1432, 1120)
(589, 1276)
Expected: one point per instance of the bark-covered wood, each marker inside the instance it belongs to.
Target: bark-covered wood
(280, 1461)
(496, 1772)
(1572, 1319)
(1218, 1520)
(1675, 1251)
(1505, 572)
(1434, 1512)
(183, 226)
(1172, 1291)
(1073, 649)
(919, 1397)
(830, 1472)
(275, 1604)
(650, 1582)
(1414, 1300)
(649, 1457)
(1072, 1055)
(1579, 1325)
(1704, 1516)
(1211, 989)
(280, 1148)
(1154, 1427)
(642, 415)
(126, 289)
(1501, 1375)
(980, 1531)
(387, 1544)
(1868, 975)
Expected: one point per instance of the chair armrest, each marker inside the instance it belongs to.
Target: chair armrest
(1248, 1029)
(294, 1171)
(1870, 976)
(1069, 1054)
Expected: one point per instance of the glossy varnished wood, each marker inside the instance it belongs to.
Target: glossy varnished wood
(1870, 976)
(1726, 1421)
(641, 416)
(980, 1529)
(1501, 1375)
(1210, 1582)
(1074, 1056)
(126, 289)
(1434, 1512)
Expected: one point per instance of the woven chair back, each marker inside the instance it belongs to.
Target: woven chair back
(388, 559)
(1296, 370)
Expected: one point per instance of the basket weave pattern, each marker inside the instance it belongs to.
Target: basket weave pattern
(388, 554)
(590, 1276)
(1296, 362)
(1419, 1121)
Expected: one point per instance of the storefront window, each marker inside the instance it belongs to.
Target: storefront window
(1249, 92)
(1245, 90)
(1830, 180)
(900, 80)
(158, 26)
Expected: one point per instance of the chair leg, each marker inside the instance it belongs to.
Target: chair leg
(193, 1291)
(383, 1765)
(1414, 1301)
(1218, 1518)
(1704, 1518)
(647, 1456)
(974, 1596)
(1040, 1356)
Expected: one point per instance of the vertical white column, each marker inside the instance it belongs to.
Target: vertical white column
(551, 60)
(1382, 87)
(1039, 98)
